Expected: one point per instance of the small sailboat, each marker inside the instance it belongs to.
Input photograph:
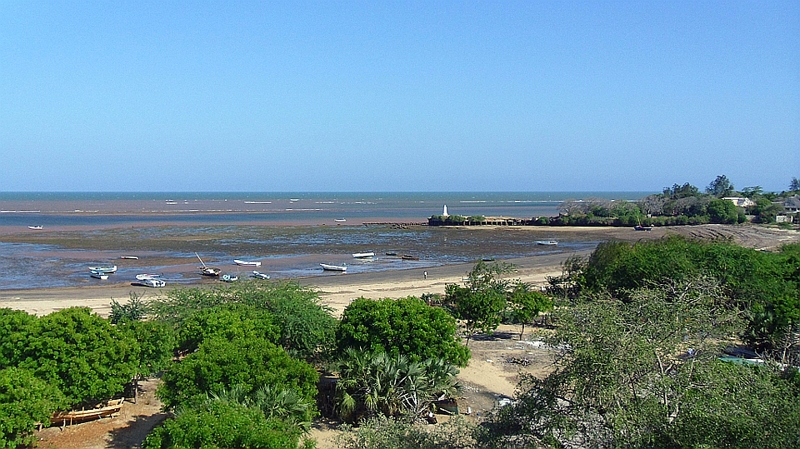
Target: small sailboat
(206, 270)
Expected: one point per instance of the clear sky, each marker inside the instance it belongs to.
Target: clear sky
(398, 96)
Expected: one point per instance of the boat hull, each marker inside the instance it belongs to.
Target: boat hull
(327, 267)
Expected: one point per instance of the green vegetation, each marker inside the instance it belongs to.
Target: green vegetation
(382, 432)
(681, 204)
(407, 327)
(25, 400)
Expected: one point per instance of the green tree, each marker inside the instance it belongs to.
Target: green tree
(223, 425)
(482, 299)
(219, 364)
(794, 185)
(134, 310)
(25, 401)
(526, 304)
(157, 344)
(404, 326)
(645, 374)
(229, 321)
(14, 333)
(81, 354)
(723, 211)
(721, 186)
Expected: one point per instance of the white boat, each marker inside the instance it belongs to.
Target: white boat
(155, 283)
(247, 263)
(129, 257)
(260, 275)
(105, 269)
(547, 242)
(99, 275)
(340, 220)
(36, 228)
(363, 255)
(229, 278)
(144, 277)
(328, 267)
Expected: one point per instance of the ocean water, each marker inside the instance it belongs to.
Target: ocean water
(290, 233)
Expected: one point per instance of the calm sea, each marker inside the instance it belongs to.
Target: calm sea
(291, 233)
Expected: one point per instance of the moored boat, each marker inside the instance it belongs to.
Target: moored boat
(229, 278)
(409, 257)
(206, 270)
(143, 277)
(328, 267)
(547, 242)
(36, 228)
(99, 274)
(129, 257)
(152, 282)
(364, 255)
(260, 275)
(247, 263)
(110, 269)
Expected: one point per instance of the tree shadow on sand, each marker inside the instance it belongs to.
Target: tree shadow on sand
(134, 434)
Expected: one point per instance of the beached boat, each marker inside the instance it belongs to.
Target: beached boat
(110, 269)
(363, 255)
(229, 278)
(36, 228)
(260, 275)
(206, 270)
(145, 276)
(328, 267)
(643, 228)
(391, 253)
(247, 263)
(111, 408)
(152, 282)
(547, 242)
(129, 257)
(340, 220)
(409, 257)
(99, 275)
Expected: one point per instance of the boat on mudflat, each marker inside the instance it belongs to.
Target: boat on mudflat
(409, 257)
(109, 269)
(99, 275)
(328, 267)
(247, 263)
(260, 275)
(36, 228)
(145, 276)
(152, 282)
(364, 255)
(229, 278)
(206, 270)
(547, 242)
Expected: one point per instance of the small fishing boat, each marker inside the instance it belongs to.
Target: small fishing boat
(391, 253)
(111, 408)
(36, 228)
(154, 283)
(229, 278)
(340, 220)
(409, 257)
(363, 255)
(206, 270)
(129, 257)
(99, 275)
(146, 276)
(642, 228)
(247, 263)
(260, 275)
(547, 242)
(327, 267)
(109, 269)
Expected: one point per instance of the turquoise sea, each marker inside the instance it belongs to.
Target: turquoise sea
(289, 232)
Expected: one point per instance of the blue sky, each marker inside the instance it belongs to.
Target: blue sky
(398, 96)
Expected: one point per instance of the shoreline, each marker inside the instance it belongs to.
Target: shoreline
(336, 291)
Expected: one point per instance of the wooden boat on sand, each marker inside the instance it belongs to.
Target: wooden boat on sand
(111, 408)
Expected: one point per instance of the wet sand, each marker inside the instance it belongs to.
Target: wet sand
(336, 291)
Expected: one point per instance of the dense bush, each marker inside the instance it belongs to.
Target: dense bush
(405, 326)
(223, 425)
(220, 364)
(80, 353)
(25, 401)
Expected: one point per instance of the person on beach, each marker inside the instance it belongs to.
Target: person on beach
(425, 275)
